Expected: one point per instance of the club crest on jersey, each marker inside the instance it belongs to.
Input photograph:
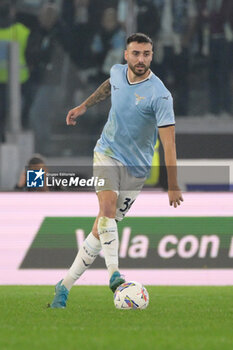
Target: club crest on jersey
(138, 98)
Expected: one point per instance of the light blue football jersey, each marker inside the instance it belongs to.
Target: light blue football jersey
(137, 111)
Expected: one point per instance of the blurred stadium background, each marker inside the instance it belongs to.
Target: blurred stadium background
(53, 54)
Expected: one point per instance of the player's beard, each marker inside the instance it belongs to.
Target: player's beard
(139, 72)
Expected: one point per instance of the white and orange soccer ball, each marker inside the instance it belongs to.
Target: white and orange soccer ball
(131, 295)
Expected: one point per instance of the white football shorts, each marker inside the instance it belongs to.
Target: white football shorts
(117, 178)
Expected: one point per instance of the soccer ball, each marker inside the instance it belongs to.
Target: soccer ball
(131, 295)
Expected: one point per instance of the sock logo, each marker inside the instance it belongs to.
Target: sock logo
(88, 253)
(110, 241)
(85, 262)
(109, 230)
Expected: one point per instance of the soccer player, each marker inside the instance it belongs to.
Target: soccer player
(141, 107)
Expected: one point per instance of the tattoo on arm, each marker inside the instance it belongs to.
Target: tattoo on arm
(103, 91)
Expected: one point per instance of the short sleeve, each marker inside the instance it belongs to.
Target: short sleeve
(112, 72)
(164, 112)
(115, 71)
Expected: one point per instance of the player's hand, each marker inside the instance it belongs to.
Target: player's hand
(74, 113)
(175, 197)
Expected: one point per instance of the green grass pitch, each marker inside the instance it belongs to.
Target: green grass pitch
(177, 318)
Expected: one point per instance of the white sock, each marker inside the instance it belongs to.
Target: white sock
(85, 257)
(107, 229)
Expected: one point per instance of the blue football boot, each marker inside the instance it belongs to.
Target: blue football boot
(61, 295)
(116, 280)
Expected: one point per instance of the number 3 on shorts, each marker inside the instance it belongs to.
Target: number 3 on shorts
(127, 205)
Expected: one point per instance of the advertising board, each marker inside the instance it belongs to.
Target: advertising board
(40, 235)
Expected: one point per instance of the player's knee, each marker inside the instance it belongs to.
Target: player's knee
(107, 203)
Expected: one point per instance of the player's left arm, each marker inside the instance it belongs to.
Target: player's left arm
(167, 136)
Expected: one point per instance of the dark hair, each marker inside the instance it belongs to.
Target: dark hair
(36, 160)
(139, 38)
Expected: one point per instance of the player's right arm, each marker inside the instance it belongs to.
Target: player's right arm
(103, 91)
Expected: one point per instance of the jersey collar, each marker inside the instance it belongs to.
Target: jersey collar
(137, 82)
